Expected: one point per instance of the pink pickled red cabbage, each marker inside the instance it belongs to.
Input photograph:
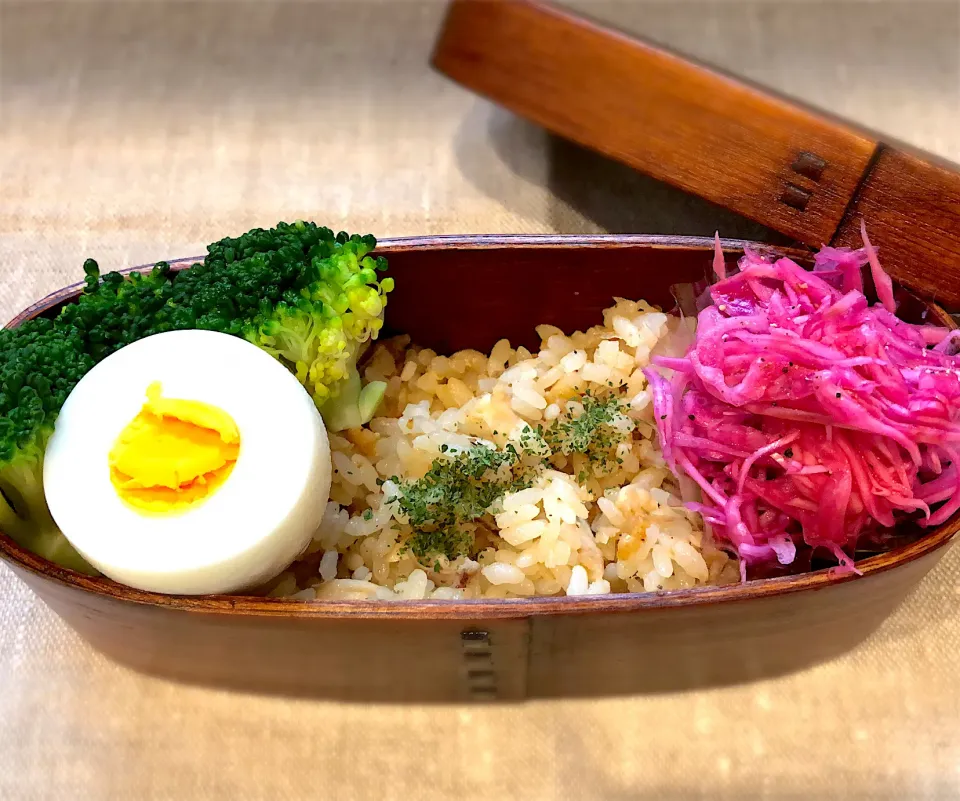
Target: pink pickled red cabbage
(807, 416)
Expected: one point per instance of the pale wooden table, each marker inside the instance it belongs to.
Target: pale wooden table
(133, 131)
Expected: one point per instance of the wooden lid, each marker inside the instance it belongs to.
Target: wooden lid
(793, 169)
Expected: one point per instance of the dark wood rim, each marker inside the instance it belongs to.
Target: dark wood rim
(481, 609)
(471, 242)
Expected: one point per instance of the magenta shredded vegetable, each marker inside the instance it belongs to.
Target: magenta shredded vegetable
(807, 416)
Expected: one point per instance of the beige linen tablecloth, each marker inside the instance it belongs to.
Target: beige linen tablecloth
(135, 131)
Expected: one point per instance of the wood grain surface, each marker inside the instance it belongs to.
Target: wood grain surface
(495, 649)
(668, 117)
(912, 204)
(800, 172)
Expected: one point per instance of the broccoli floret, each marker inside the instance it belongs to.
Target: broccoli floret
(310, 298)
(39, 366)
(322, 326)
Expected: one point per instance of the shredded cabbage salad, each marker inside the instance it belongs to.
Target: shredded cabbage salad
(806, 415)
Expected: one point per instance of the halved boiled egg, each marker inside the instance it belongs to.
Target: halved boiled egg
(188, 462)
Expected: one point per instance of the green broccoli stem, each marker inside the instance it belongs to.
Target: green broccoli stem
(25, 518)
(354, 405)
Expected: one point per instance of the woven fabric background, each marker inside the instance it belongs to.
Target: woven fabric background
(133, 131)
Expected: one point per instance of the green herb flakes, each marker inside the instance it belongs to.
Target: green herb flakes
(462, 487)
(592, 432)
(458, 489)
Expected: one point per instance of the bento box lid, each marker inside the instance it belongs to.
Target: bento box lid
(794, 169)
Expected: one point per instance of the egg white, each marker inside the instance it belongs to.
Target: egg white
(251, 527)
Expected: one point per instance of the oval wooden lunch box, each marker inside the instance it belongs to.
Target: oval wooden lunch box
(452, 293)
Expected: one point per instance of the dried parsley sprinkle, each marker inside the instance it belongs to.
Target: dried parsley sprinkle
(532, 441)
(368, 514)
(457, 489)
(591, 432)
(462, 487)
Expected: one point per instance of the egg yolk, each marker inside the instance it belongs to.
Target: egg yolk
(173, 454)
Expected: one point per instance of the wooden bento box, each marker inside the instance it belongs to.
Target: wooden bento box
(495, 649)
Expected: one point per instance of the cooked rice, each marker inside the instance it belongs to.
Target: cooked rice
(622, 529)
